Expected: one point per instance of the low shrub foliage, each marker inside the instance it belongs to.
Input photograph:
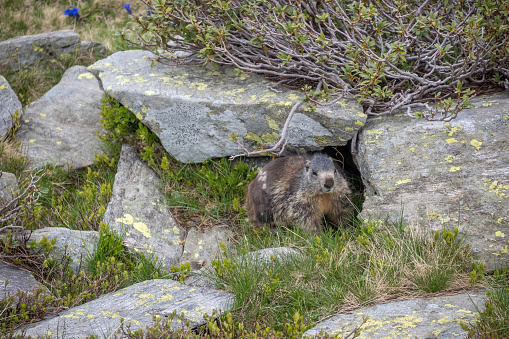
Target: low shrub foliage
(388, 54)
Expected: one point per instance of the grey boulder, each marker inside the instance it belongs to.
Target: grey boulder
(443, 174)
(426, 318)
(195, 111)
(62, 126)
(9, 104)
(138, 210)
(137, 305)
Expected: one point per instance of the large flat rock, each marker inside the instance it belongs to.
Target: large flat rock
(9, 104)
(19, 280)
(426, 318)
(61, 126)
(136, 304)
(195, 110)
(20, 52)
(138, 210)
(443, 174)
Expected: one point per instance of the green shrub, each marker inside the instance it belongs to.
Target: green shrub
(387, 54)
(493, 321)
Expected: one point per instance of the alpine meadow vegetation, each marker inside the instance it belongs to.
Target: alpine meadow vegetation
(427, 57)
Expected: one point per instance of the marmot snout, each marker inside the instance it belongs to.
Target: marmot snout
(301, 190)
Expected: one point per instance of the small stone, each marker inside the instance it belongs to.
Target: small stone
(78, 245)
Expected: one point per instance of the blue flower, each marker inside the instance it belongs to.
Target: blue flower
(73, 13)
(128, 8)
(149, 12)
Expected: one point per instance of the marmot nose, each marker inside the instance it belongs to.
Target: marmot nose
(329, 183)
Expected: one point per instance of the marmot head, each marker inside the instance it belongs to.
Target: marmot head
(321, 175)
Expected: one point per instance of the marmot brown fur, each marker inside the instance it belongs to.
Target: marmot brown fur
(300, 190)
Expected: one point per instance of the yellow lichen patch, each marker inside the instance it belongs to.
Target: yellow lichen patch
(350, 129)
(504, 250)
(412, 149)
(451, 140)
(199, 86)
(149, 93)
(252, 136)
(27, 121)
(139, 116)
(59, 142)
(358, 122)
(43, 115)
(272, 123)
(143, 229)
(123, 82)
(497, 188)
(111, 314)
(455, 168)
(455, 129)
(450, 158)
(126, 220)
(165, 297)
(196, 255)
(233, 93)
(3, 87)
(270, 137)
(445, 320)
(85, 76)
(91, 316)
(506, 117)
(31, 140)
(404, 181)
(499, 234)
(293, 97)
(476, 144)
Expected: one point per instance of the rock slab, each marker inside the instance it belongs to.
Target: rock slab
(20, 52)
(62, 126)
(138, 210)
(438, 317)
(19, 280)
(8, 186)
(78, 245)
(443, 174)
(9, 104)
(136, 304)
(196, 110)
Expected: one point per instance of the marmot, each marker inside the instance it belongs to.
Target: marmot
(300, 190)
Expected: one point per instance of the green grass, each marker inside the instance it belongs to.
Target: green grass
(338, 271)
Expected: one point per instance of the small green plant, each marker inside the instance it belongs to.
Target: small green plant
(180, 273)
(493, 321)
(224, 327)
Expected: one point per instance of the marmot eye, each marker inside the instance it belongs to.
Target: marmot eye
(335, 171)
(314, 172)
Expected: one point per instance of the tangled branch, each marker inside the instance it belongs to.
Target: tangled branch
(387, 54)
